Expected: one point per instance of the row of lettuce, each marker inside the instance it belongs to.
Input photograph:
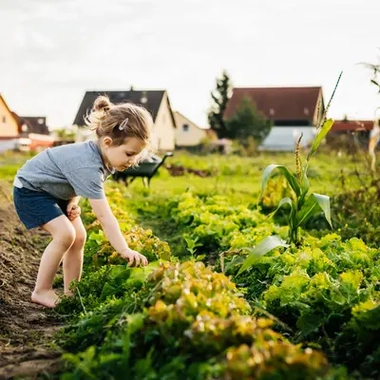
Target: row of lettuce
(177, 318)
(325, 293)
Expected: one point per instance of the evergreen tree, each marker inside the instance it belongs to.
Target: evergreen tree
(248, 122)
(220, 99)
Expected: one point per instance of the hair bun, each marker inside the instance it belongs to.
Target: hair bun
(102, 103)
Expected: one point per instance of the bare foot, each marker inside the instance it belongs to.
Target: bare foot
(45, 298)
(69, 293)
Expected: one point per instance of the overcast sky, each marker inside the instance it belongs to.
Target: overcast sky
(52, 51)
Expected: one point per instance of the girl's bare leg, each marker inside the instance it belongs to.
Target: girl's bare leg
(73, 259)
(63, 234)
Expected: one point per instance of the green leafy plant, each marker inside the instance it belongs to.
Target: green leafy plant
(190, 323)
(302, 205)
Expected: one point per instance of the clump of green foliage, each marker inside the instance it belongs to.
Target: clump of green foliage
(326, 292)
(190, 323)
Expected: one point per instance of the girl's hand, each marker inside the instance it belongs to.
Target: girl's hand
(134, 257)
(73, 211)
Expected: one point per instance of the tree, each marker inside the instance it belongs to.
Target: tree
(246, 122)
(220, 99)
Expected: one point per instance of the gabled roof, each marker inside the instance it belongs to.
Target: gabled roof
(6, 106)
(187, 119)
(278, 103)
(35, 124)
(352, 125)
(151, 100)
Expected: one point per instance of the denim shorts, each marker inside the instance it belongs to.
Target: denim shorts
(36, 208)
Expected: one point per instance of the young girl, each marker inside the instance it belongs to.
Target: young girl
(48, 187)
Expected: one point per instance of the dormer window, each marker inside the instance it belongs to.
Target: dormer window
(40, 121)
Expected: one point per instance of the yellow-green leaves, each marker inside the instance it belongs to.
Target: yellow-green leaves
(265, 246)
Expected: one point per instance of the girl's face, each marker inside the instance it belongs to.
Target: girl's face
(122, 156)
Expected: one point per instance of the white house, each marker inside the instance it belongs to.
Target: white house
(155, 101)
(188, 134)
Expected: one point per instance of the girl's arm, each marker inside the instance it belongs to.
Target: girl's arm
(73, 210)
(75, 200)
(112, 230)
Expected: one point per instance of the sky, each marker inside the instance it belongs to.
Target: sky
(53, 51)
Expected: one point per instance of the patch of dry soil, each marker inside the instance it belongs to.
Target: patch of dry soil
(26, 329)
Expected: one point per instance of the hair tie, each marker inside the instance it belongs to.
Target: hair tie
(123, 124)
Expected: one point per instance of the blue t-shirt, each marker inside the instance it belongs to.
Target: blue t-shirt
(66, 171)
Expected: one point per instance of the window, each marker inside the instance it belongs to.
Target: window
(185, 127)
(4, 119)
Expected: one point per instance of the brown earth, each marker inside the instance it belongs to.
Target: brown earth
(179, 170)
(26, 329)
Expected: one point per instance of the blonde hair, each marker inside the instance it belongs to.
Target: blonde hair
(119, 121)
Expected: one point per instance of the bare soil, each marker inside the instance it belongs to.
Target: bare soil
(26, 329)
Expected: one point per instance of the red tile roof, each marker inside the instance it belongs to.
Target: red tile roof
(278, 103)
(352, 125)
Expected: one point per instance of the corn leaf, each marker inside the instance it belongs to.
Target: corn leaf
(305, 185)
(265, 246)
(320, 136)
(314, 204)
(324, 204)
(284, 201)
(268, 172)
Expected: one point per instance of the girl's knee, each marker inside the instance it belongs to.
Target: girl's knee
(66, 236)
(81, 236)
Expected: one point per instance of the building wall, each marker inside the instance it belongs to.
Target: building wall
(187, 133)
(8, 124)
(285, 138)
(163, 137)
(8, 144)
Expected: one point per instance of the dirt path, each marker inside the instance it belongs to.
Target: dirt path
(26, 330)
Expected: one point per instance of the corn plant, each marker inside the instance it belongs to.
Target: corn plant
(302, 205)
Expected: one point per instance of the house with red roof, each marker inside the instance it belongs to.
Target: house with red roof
(348, 133)
(358, 126)
(292, 110)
